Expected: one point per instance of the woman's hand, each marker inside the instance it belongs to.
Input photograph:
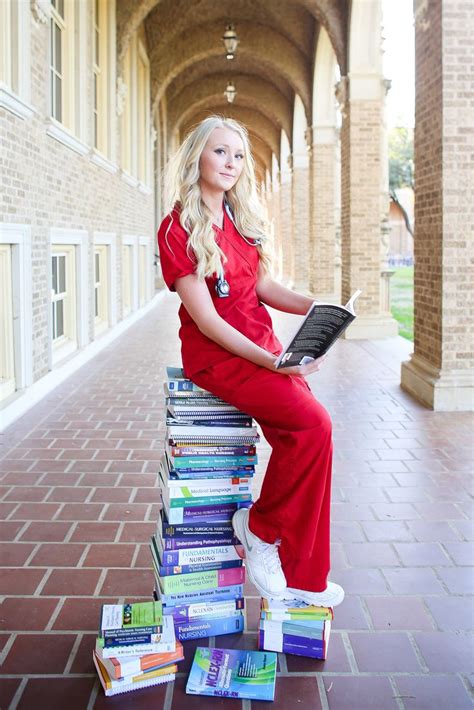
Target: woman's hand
(303, 370)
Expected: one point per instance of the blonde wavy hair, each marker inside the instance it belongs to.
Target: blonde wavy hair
(182, 180)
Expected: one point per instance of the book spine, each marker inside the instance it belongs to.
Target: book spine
(130, 640)
(206, 474)
(202, 580)
(286, 627)
(211, 627)
(195, 556)
(185, 543)
(186, 531)
(170, 570)
(295, 645)
(125, 633)
(205, 451)
(214, 462)
(221, 487)
(139, 649)
(211, 513)
(182, 386)
(200, 596)
(209, 500)
(190, 612)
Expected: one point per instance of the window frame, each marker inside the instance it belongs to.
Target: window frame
(15, 45)
(107, 240)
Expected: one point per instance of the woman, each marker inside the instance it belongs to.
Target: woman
(213, 253)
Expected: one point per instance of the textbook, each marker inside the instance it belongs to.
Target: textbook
(287, 610)
(203, 628)
(112, 686)
(199, 596)
(213, 463)
(119, 622)
(294, 645)
(212, 435)
(232, 673)
(319, 330)
(166, 643)
(202, 580)
(207, 610)
(185, 543)
(196, 514)
(195, 555)
(197, 530)
(134, 665)
(213, 450)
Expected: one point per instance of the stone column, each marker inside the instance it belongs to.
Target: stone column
(322, 212)
(362, 188)
(300, 209)
(440, 372)
(286, 225)
(276, 230)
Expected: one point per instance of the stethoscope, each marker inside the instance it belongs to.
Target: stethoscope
(222, 286)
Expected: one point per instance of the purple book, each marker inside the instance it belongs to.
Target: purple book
(294, 645)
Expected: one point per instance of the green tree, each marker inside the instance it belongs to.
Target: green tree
(400, 157)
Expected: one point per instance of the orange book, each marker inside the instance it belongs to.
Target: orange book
(135, 665)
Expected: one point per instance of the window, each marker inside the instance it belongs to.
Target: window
(7, 354)
(127, 281)
(135, 121)
(101, 77)
(101, 295)
(63, 300)
(143, 274)
(15, 81)
(143, 110)
(62, 48)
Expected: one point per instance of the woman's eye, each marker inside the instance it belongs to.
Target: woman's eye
(240, 156)
(219, 150)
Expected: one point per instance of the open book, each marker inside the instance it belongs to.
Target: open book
(321, 327)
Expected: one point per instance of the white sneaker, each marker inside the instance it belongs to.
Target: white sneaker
(261, 558)
(332, 595)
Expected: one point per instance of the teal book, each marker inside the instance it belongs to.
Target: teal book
(230, 673)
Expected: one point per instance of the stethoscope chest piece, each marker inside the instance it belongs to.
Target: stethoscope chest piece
(222, 287)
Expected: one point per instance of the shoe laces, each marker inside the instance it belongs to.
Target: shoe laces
(269, 556)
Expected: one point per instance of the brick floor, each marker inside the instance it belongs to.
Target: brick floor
(78, 503)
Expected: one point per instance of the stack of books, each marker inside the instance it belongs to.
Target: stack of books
(294, 627)
(205, 476)
(136, 647)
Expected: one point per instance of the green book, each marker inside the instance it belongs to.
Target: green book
(202, 580)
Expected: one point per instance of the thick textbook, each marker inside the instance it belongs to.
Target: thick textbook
(134, 665)
(233, 674)
(213, 450)
(319, 330)
(112, 686)
(221, 513)
(194, 555)
(199, 596)
(285, 610)
(294, 645)
(203, 628)
(227, 436)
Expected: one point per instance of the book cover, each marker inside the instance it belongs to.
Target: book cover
(206, 610)
(202, 580)
(144, 680)
(196, 530)
(170, 570)
(199, 596)
(188, 542)
(127, 619)
(118, 668)
(322, 325)
(232, 673)
(204, 628)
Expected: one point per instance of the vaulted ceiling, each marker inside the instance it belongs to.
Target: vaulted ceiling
(274, 59)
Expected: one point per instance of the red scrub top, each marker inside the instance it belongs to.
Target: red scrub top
(241, 308)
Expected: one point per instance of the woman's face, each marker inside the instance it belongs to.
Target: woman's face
(222, 161)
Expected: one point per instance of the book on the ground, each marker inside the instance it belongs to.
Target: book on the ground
(137, 646)
(135, 665)
(229, 673)
(123, 622)
(319, 330)
(112, 686)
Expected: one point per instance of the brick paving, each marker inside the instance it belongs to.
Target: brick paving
(78, 502)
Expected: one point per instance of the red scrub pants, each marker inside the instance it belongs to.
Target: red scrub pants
(294, 503)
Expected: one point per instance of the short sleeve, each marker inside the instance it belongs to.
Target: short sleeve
(174, 258)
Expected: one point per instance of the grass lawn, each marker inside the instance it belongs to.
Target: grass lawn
(401, 298)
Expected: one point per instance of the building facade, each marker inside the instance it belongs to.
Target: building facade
(96, 94)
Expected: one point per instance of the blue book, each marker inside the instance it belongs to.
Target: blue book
(294, 645)
(206, 610)
(227, 673)
(234, 591)
(203, 628)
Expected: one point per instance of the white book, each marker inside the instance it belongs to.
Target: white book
(167, 644)
(115, 687)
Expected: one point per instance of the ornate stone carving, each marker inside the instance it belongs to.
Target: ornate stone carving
(421, 11)
(40, 9)
(341, 92)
